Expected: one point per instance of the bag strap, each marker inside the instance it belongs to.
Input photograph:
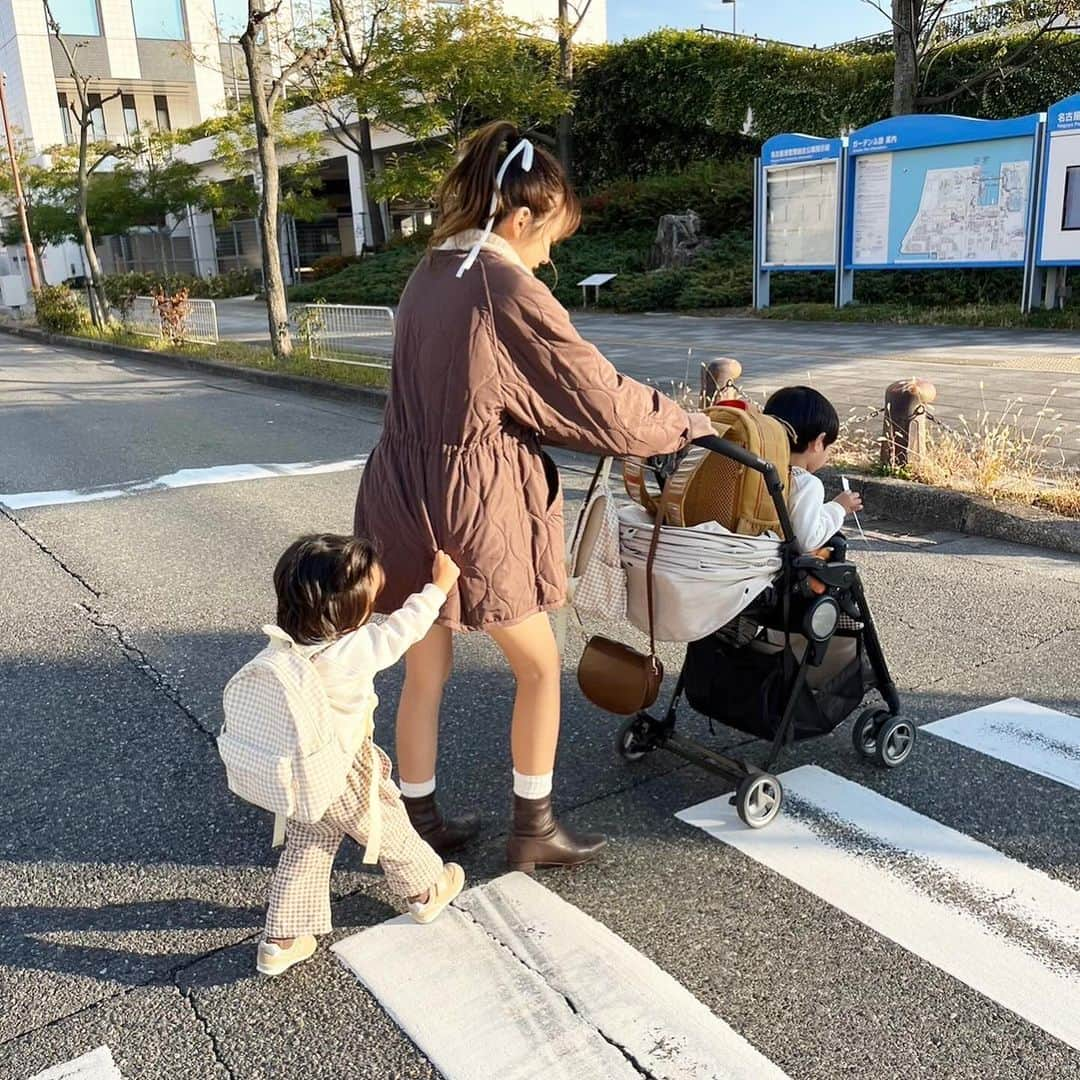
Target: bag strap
(600, 476)
(658, 524)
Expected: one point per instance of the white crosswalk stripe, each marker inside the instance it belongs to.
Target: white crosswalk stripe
(1030, 736)
(1006, 930)
(514, 982)
(96, 1065)
(183, 478)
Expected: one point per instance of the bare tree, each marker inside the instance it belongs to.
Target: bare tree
(571, 16)
(90, 159)
(266, 99)
(919, 38)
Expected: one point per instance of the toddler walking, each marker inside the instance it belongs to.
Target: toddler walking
(813, 426)
(326, 589)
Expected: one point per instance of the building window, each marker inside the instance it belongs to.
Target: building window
(65, 117)
(97, 116)
(76, 16)
(131, 116)
(160, 19)
(161, 112)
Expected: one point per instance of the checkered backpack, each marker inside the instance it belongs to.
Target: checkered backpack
(279, 742)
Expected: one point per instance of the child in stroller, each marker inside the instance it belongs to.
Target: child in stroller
(800, 658)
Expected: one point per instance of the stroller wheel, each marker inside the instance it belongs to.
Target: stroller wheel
(758, 799)
(864, 731)
(632, 742)
(895, 741)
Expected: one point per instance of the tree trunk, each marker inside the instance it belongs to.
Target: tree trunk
(99, 306)
(277, 308)
(905, 14)
(376, 237)
(564, 128)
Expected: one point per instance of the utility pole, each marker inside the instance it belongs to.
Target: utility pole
(31, 257)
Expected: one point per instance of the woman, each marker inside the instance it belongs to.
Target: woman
(486, 368)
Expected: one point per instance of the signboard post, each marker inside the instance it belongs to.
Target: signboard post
(1058, 242)
(797, 205)
(938, 192)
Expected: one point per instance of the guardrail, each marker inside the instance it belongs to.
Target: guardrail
(200, 320)
(345, 333)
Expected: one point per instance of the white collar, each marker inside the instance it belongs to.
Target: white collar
(465, 240)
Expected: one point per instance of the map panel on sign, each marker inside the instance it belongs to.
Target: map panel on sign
(800, 226)
(945, 204)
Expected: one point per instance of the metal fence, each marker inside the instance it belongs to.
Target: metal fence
(346, 333)
(200, 320)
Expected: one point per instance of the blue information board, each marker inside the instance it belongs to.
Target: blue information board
(1059, 213)
(933, 191)
(798, 218)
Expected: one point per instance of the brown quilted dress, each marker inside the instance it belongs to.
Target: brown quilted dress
(487, 368)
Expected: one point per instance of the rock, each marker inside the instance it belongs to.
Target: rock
(678, 241)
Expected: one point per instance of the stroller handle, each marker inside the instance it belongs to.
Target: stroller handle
(767, 469)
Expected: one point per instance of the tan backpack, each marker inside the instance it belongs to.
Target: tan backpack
(709, 487)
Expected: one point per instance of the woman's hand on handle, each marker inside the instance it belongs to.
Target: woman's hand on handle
(445, 572)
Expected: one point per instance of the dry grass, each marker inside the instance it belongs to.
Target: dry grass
(1009, 454)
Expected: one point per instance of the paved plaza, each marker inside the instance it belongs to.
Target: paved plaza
(916, 923)
(1003, 372)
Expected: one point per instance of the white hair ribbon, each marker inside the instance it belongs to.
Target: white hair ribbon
(525, 149)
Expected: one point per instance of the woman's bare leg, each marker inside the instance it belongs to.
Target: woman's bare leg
(536, 838)
(530, 649)
(427, 667)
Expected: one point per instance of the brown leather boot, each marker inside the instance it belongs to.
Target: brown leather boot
(443, 834)
(537, 839)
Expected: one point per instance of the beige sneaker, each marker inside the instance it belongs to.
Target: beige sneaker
(450, 883)
(275, 960)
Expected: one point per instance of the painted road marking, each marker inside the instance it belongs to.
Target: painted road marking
(515, 982)
(1030, 736)
(1006, 930)
(96, 1065)
(214, 474)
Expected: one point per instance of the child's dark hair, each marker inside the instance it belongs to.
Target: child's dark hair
(464, 197)
(325, 586)
(807, 413)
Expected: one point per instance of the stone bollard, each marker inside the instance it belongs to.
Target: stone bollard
(905, 426)
(718, 378)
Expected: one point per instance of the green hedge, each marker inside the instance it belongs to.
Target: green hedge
(119, 287)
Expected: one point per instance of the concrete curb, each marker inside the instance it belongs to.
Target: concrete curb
(363, 395)
(954, 511)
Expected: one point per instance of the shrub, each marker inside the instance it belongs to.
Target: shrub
(59, 310)
(173, 310)
(331, 264)
(121, 289)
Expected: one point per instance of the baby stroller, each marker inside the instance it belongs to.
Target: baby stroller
(791, 665)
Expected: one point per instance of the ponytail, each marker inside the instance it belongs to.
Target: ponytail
(469, 196)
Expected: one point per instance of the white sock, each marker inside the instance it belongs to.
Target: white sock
(532, 787)
(417, 791)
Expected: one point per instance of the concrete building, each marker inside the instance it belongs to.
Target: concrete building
(174, 66)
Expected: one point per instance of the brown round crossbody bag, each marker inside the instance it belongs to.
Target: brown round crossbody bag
(615, 677)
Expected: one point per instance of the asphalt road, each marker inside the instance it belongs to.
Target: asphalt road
(132, 884)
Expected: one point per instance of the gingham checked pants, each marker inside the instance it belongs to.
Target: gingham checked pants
(300, 893)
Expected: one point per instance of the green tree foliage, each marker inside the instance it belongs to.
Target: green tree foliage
(234, 149)
(443, 71)
(662, 101)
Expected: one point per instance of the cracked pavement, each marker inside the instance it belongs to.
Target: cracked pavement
(132, 883)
